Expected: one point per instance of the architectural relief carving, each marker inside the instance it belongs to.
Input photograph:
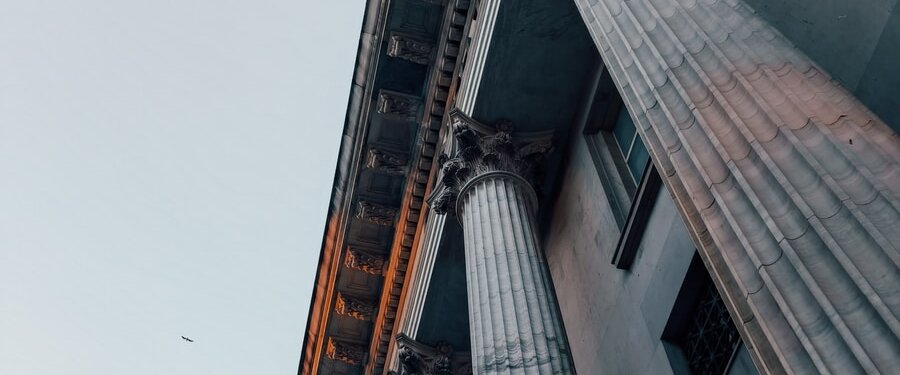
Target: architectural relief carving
(411, 363)
(410, 49)
(419, 359)
(386, 162)
(363, 261)
(353, 308)
(345, 352)
(398, 106)
(478, 154)
(375, 213)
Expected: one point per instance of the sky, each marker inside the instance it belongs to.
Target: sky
(165, 169)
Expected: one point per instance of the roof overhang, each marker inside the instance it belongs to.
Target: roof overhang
(401, 84)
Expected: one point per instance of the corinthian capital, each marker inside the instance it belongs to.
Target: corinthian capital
(416, 358)
(480, 150)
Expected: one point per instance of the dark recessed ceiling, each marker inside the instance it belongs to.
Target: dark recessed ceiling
(538, 66)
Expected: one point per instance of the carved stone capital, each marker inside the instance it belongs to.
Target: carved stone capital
(478, 153)
(344, 351)
(386, 162)
(410, 48)
(375, 213)
(353, 307)
(419, 359)
(363, 261)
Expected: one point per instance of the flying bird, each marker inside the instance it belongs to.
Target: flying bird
(187, 339)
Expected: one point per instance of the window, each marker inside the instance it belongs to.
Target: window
(623, 164)
(629, 145)
(700, 337)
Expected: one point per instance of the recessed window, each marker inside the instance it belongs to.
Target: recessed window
(700, 337)
(623, 163)
(629, 145)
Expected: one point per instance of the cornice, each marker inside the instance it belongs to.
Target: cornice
(346, 172)
(358, 155)
(441, 91)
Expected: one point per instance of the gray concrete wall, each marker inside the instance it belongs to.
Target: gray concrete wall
(614, 318)
(856, 41)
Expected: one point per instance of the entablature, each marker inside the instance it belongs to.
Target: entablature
(407, 61)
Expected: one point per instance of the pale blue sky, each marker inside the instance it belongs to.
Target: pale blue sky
(165, 167)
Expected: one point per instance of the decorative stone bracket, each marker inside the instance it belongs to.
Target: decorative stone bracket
(478, 153)
(353, 307)
(375, 213)
(349, 353)
(386, 162)
(398, 106)
(364, 261)
(410, 48)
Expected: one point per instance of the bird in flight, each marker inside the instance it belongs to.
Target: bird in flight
(187, 339)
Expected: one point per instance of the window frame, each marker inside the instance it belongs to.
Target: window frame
(638, 216)
(631, 201)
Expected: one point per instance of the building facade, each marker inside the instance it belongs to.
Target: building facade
(615, 187)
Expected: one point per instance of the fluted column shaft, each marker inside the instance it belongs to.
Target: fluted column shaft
(515, 326)
(786, 170)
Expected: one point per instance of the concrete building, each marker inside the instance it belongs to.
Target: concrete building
(615, 187)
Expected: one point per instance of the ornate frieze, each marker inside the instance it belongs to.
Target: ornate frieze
(363, 261)
(353, 307)
(386, 162)
(416, 358)
(375, 213)
(398, 106)
(344, 351)
(410, 49)
(478, 153)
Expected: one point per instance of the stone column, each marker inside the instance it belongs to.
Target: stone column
(514, 321)
(776, 166)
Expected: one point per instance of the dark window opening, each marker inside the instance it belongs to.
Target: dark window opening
(701, 338)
